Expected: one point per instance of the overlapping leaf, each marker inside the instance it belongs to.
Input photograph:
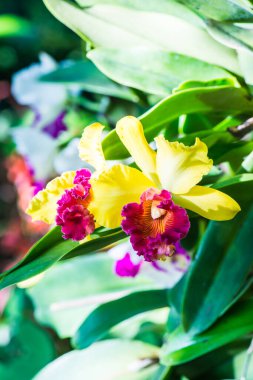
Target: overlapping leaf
(107, 315)
(225, 99)
(118, 359)
(50, 249)
(152, 70)
(89, 78)
(221, 266)
(183, 347)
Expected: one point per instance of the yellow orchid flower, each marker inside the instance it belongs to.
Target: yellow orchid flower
(109, 197)
(166, 186)
(66, 199)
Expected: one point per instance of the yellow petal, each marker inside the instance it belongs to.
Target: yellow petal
(90, 148)
(210, 203)
(130, 132)
(113, 189)
(180, 167)
(43, 205)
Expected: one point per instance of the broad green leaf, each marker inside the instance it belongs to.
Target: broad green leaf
(222, 263)
(217, 364)
(89, 78)
(232, 35)
(74, 288)
(171, 7)
(50, 249)
(105, 25)
(109, 314)
(233, 153)
(220, 99)
(182, 347)
(14, 26)
(176, 298)
(52, 239)
(246, 61)
(107, 360)
(28, 351)
(152, 70)
(221, 10)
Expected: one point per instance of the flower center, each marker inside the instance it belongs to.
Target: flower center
(155, 224)
(156, 212)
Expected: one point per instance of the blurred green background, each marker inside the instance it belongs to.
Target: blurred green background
(27, 28)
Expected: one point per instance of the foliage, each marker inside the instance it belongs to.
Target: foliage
(184, 69)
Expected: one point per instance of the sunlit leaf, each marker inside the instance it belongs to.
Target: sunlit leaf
(107, 315)
(105, 25)
(118, 359)
(74, 288)
(152, 70)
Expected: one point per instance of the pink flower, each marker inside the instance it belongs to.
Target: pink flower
(125, 267)
(75, 219)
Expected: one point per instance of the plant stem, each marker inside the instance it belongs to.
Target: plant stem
(243, 129)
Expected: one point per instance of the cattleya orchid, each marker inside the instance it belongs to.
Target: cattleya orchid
(150, 204)
(66, 199)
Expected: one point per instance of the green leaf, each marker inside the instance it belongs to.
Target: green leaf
(176, 299)
(246, 61)
(219, 99)
(14, 26)
(232, 35)
(107, 360)
(101, 241)
(86, 75)
(235, 324)
(109, 314)
(171, 7)
(105, 25)
(221, 10)
(238, 187)
(222, 263)
(152, 70)
(29, 350)
(74, 288)
(236, 153)
(50, 249)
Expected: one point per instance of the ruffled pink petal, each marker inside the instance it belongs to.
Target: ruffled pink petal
(155, 237)
(76, 222)
(75, 219)
(82, 177)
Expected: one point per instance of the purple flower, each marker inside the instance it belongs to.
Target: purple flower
(125, 267)
(56, 127)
